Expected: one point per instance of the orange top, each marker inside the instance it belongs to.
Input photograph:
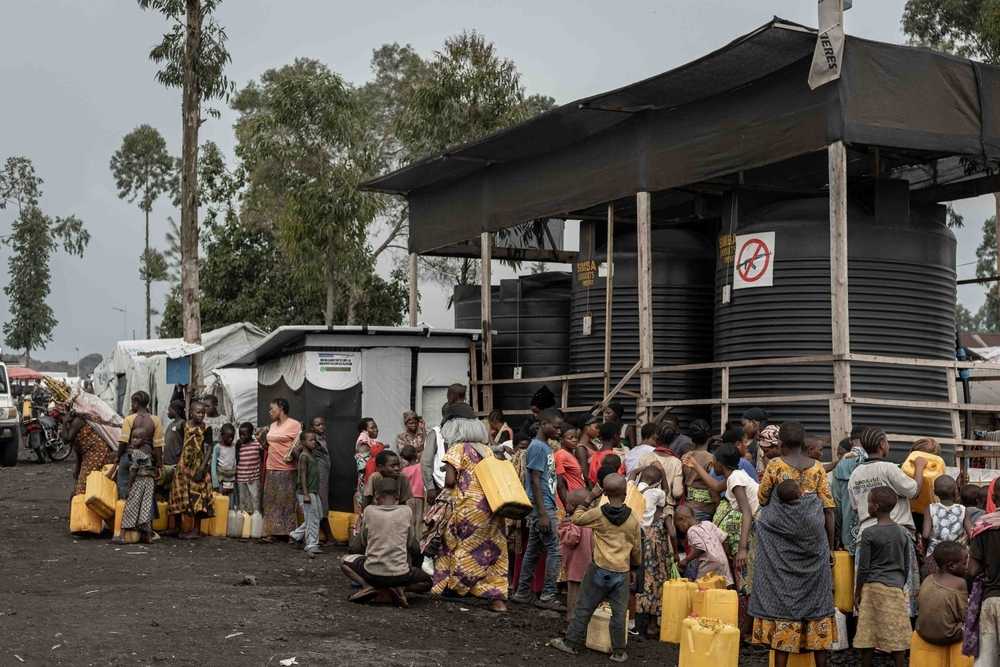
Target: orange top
(280, 439)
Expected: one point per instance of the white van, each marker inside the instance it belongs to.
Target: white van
(10, 422)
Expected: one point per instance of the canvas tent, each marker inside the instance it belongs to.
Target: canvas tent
(136, 365)
(348, 372)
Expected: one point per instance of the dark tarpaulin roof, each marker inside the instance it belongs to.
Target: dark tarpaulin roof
(743, 106)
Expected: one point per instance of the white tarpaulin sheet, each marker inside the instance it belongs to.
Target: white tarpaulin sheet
(238, 393)
(385, 392)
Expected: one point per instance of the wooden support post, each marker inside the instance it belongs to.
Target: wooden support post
(644, 215)
(473, 377)
(956, 421)
(609, 285)
(413, 289)
(724, 409)
(564, 398)
(840, 410)
(486, 306)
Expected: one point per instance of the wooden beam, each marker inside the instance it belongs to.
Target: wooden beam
(942, 406)
(747, 363)
(724, 412)
(972, 187)
(413, 289)
(548, 378)
(469, 250)
(922, 363)
(564, 397)
(617, 388)
(956, 420)
(840, 410)
(473, 376)
(486, 306)
(609, 288)
(746, 400)
(644, 215)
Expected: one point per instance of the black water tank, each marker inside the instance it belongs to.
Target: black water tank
(901, 291)
(683, 266)
(531, 318)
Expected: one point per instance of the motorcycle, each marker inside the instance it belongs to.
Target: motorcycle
(42, 437)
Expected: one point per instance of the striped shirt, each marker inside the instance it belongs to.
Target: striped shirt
(248, 465)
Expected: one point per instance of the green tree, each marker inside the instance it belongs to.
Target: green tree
(464, 92)
(988, 317)
(247, 278)
(33, 239)
(302, 141)
(965, 320)
(193, 57)
(968, 28)
(143, 171)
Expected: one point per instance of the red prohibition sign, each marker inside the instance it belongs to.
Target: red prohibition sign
(754, 258)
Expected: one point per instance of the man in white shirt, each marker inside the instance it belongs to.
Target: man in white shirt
(876, 472)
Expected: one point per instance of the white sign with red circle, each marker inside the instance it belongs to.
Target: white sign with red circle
(753, 260)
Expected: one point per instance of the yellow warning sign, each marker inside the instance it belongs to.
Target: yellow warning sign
(586, 272)
(727, 247)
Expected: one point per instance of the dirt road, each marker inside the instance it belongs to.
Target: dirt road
(67, 600)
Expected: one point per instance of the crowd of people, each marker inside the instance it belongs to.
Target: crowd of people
(615, 514)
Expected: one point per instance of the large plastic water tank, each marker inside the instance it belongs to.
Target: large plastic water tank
(531, 321)
(901, 291)
(683, 266)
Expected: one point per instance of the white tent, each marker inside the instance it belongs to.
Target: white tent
(136, 365)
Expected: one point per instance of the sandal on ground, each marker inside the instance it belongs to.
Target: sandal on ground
(619, 656)
(399, 597)
(497, 607)
(363, 595)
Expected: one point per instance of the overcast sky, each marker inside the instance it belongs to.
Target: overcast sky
(76, 78)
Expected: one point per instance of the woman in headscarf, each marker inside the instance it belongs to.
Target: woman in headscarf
(413, 433)
(473, 555)
(278, 494)
(92, 452)
(767, 448)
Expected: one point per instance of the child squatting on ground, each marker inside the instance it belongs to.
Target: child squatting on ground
(617, 542)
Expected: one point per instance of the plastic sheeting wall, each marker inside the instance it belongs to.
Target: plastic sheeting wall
(385, 391)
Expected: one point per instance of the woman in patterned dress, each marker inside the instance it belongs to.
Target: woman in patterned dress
(92, 453)
(473, 555)
(191, 490)
(795, 632)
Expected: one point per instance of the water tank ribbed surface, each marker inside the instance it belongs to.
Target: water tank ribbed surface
(683, 263)
(901, 289)
(531, 318)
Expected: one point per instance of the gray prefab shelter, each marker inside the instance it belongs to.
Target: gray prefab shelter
(734, 144)
(349, 372)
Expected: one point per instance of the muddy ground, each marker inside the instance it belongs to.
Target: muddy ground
(68, 600)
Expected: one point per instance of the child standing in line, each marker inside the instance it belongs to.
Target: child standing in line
(617, 540)
(972, 497)
(248, 459)
(883, 562)
(944, 597)
(308, 497)
(575, 544)
(224, 461)
(657, 554)
(944, 520)
(411, 473)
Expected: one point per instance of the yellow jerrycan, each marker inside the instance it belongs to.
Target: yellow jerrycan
(677, 598)
(503, 488)
(709, 643)
(843, 581)
(82, 519)
(934, 469)
(794, 660)
(101, 494)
